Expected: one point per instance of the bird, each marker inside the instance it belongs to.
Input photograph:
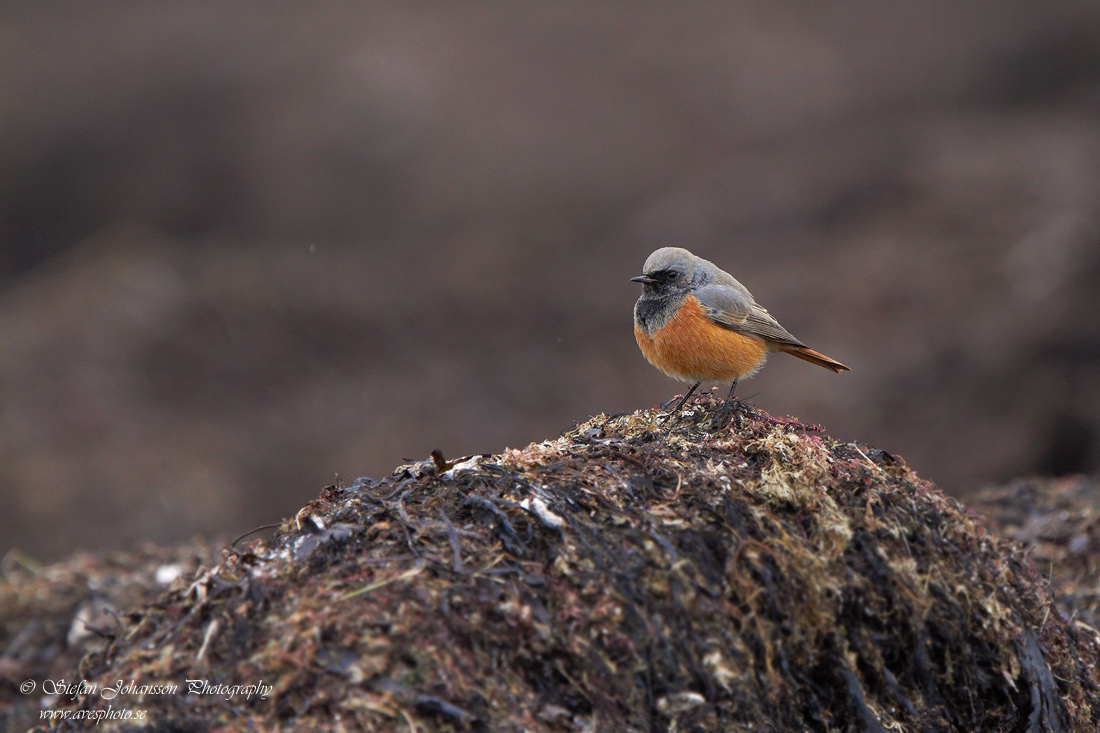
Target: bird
(696, 323)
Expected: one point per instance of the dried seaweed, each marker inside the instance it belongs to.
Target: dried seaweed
(757, 576)
(52, 616)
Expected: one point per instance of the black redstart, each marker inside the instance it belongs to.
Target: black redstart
(697, 324)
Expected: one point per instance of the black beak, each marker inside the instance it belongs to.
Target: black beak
(642, 279)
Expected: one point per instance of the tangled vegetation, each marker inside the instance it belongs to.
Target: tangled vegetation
(742, 572)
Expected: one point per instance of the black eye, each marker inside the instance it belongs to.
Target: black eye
(672, 275)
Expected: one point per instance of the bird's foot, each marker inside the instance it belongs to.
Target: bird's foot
(724, 415)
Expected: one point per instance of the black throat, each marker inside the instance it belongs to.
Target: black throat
(652, 312)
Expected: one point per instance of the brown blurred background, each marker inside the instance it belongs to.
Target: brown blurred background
(245, 247)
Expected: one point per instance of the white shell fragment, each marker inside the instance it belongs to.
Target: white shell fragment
(538, 507)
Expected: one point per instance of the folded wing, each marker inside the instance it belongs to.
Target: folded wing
(734, 308)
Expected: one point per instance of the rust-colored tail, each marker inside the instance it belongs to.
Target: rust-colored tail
(815, 358)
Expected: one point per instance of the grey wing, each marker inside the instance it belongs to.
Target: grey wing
(736, 310)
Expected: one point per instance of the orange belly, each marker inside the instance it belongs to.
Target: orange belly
(692, 348)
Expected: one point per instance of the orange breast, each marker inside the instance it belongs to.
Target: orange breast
(692, 348)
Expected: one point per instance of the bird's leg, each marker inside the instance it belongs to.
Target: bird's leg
(675, 413)
(727, 407)
(689, 393)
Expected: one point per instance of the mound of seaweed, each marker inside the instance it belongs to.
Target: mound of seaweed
(752, 575)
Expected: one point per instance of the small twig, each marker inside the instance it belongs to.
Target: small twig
(408, 539)
(490, 566)
(1086, 627)
(404, 514)
(412, 725)
(96, 630)
(410, 573)
(454, 541)
(385, 560)
(869, 461)
(251, 531)
(576, 685)
(211, 632)
(401, 486)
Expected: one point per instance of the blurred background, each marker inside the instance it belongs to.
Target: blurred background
(245, 248)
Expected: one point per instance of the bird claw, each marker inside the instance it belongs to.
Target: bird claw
(724, 415)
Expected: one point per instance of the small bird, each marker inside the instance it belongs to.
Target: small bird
(697, 324)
